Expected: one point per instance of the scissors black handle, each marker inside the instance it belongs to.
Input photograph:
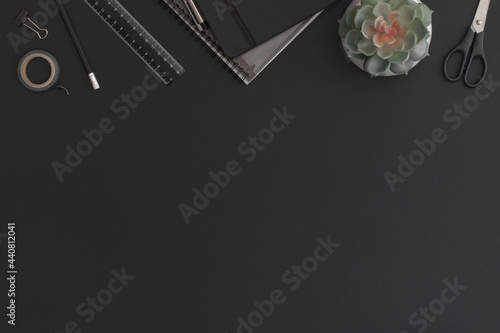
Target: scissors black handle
(472, 44)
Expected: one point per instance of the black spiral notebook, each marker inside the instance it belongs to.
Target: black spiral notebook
(249, 64)
(240, 25)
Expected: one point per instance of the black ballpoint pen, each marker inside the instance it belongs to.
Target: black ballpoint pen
(78, 46)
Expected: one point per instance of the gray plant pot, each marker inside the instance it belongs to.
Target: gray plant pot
(361, 63)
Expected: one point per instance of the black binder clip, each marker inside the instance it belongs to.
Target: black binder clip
(24, 16)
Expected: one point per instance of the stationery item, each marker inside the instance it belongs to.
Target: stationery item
(250, 64)
(471, 48)
(54, 71)
(240, 25)
(142, 43)
(195, 14)
(78, 46)
(23, 17)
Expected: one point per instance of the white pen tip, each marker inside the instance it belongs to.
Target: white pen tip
(94, 82)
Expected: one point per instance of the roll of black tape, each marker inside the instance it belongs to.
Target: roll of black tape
(55, 70)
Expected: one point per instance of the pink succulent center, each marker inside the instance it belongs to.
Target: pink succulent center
(388, 31)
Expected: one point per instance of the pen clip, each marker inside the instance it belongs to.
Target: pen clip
(195, 14)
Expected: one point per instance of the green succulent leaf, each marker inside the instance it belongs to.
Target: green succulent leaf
(397, 47)
(384, 52)
(367, 29)
(419, 29)
(418, 8)
(360, 56)
(427, 15)
(395, 4)
(407, 14)
(409, 41)
(363, 14)
(399, 57)
(352, 39)
(382, 9)
(376, 66)
(366, 47)
(370, 2)
(402, 68)
(350, 17)
(420, 51)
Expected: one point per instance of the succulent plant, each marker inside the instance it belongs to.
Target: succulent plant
(387, 36)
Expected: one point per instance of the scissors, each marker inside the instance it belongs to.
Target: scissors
(471, 48)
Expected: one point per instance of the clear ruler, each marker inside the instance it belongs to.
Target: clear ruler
(144, 45)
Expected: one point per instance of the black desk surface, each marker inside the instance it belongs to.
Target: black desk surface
(322, 175)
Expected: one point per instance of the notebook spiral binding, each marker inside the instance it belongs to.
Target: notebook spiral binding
(205, 37)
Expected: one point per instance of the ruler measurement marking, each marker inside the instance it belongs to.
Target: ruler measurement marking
(141, 42)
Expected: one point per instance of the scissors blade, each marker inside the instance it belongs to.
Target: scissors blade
(481, 14)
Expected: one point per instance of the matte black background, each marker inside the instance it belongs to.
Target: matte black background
(323, 175)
